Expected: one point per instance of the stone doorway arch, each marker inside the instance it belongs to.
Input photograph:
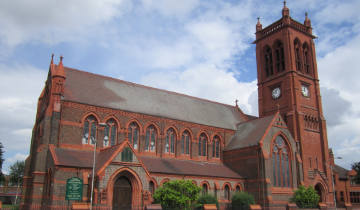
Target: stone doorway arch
(124, 190)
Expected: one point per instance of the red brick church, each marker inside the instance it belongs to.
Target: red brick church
(146, 136)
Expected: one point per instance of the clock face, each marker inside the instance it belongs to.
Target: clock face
(305, 90)
(276, 92)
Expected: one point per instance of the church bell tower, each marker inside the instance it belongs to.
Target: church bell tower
(288, 82)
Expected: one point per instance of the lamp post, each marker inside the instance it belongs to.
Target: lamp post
(93, 175)
(93, 167)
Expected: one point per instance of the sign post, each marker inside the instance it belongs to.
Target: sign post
(74, 189)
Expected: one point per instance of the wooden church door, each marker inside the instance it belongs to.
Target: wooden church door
(122, 194)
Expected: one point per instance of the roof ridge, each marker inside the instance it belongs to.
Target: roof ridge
(154, 88)
(257, 118)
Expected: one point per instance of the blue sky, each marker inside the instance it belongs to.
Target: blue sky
(197, 47)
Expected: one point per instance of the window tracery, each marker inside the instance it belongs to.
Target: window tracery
(216, 147)
(185, 143)
(202, 144)
(281, 163)
(89, 132)
(170, 141)
(150, 139)
(133, 134)
(110, 133)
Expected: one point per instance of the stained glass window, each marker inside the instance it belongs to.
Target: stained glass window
(185, 143)
(110, 133)
(216, 147)
(170, 141)
(89, 134)
(133, 134)
(150, 139)
(202, 145)
(281, 163)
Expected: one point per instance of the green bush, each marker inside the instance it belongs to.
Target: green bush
(242, 201)
(206, 199)
(177, 194)
(305, 197)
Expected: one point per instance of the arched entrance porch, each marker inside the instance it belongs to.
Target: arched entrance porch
(124, 190)
(320, 191)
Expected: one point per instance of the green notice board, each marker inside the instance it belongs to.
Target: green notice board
(74, 189)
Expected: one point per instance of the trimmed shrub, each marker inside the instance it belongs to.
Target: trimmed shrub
(242, 201)
(306, 197)
(177, 194)
(206, 199)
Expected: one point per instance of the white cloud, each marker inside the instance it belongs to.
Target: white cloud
(171, 7)
(338, 73)
(21, 86)
(207, 81)
(52, 21)
(337, 12)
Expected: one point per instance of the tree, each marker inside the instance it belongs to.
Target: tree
(356, 166)
(305, 197)
(206, 199)
(242, 200)
(17, 173)
(1, 156)
(177, 194)
(2, 177)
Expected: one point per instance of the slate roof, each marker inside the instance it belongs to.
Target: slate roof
(187, 167)
(249, 133)
(341, 171)
(83, 159)
(72, 157)
(87, 88)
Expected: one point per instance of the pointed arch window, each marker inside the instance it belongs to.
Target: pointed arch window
(89, 133)
(134, 134)
(216, 147)
(280, 56)
(297, 48)
(151, 187)
(170, 141)
(281, 163)
(268, 61)
(110, 133)
(150, 139)
(306, 57)
(227, 192)
(203, 144)
(185, 143)
(204, 190)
